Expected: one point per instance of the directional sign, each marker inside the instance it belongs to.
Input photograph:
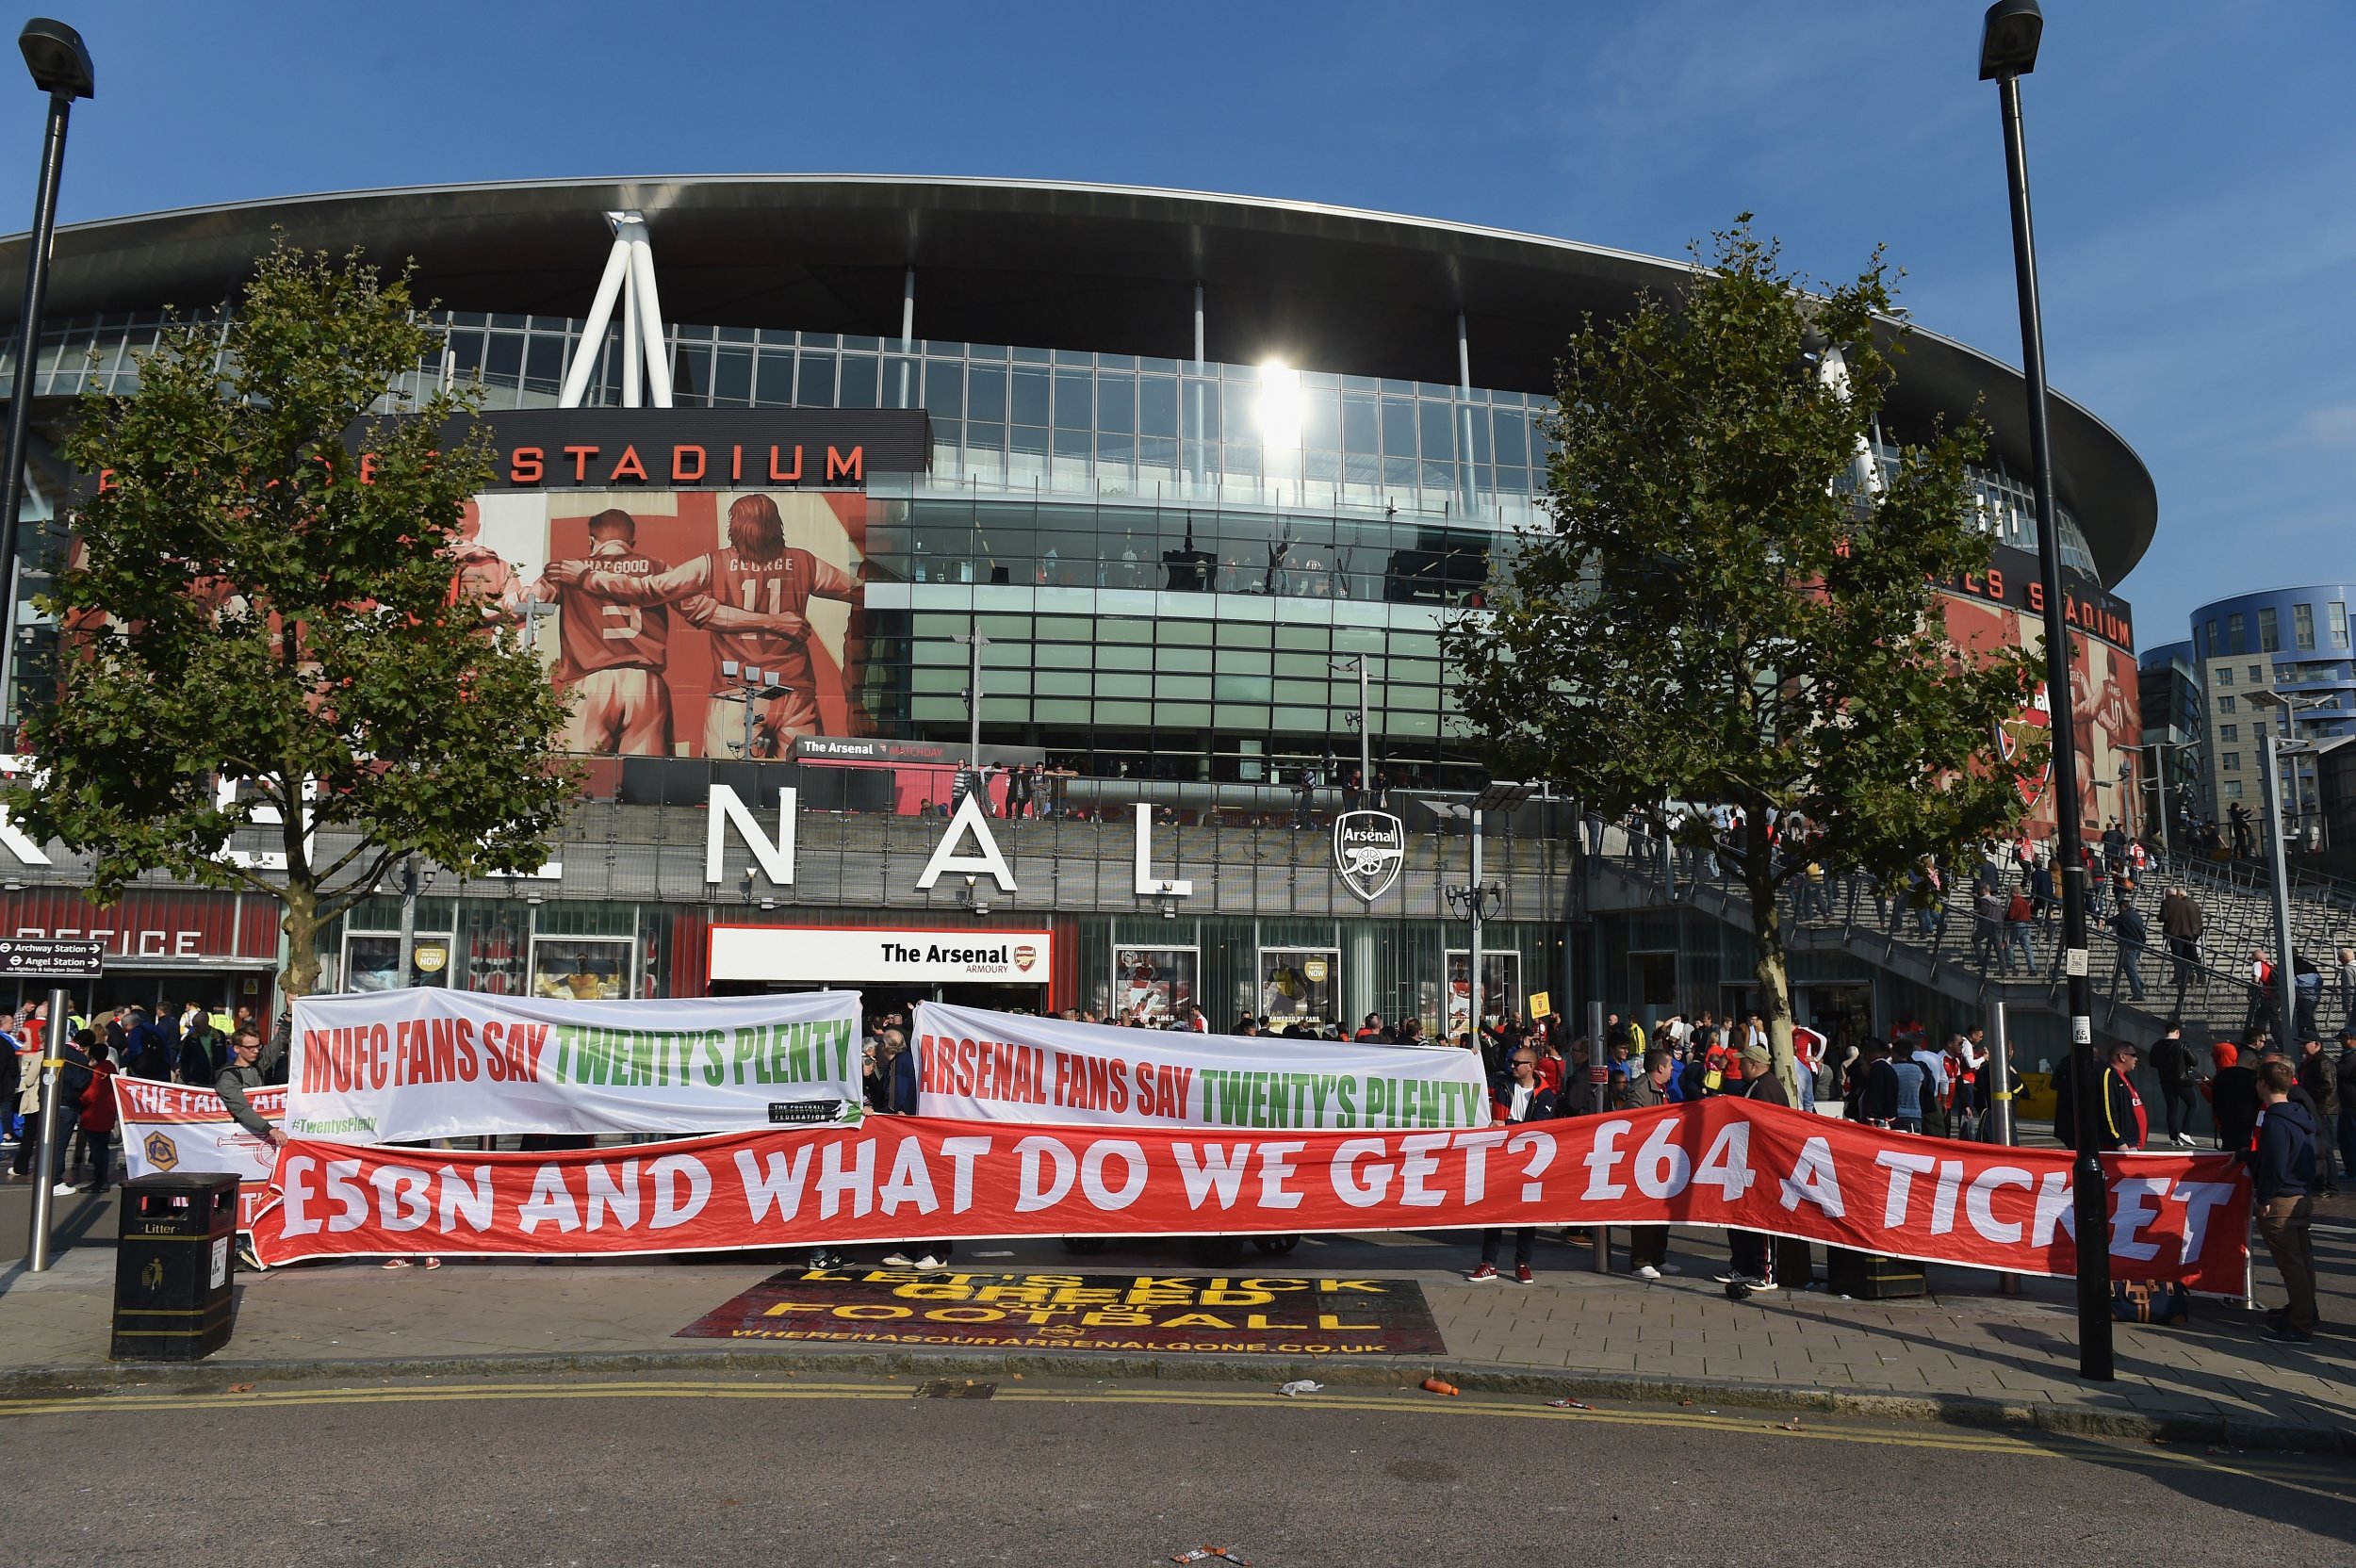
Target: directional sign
(52, 960)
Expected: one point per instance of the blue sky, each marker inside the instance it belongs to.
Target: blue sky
(2192, 179)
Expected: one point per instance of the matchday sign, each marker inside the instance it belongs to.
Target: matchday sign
(981, 1066)
(380, 1067)
(1250, 1313)
(1722, 1162)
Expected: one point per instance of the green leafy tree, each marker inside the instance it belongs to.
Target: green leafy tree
(1730, 607)
(244, 606)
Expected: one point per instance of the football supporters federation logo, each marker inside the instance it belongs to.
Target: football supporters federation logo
(1369, 849)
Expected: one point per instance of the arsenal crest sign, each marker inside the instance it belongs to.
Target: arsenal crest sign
(1369, 847)
(2010, 736)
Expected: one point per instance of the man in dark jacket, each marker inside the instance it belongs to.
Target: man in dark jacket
(2172, 1060)
(2346, 1084)
(902, 1095)
(73, 1079)
(1648, 1245)
(2180, 923)
(2322, 1088)
(1517, 1097)
(2234, 1097)
(2119, 1123)
(2133, 935)
(2282, 1175)
(1754, 1253)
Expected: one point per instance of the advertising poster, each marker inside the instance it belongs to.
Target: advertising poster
(1300, 985)
(1155, 984)
(680, 621)
(1500, 988)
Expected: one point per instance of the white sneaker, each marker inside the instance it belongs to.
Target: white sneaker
(1670, 1269)
(2184, 1140)
(64, 1189)
(898, 1260)
(929, 1261)
(1648, 1272)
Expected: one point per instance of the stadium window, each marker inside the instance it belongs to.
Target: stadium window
(2215, 648)
(2269, 630)
(2337, 617)
(2232, 789)
(2225, 705)
(2225, 674)
(2232, 761)
(2302, 625)
(2237, 632)
(2229, 732)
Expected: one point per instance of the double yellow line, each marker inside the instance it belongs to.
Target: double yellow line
(2281, 1470)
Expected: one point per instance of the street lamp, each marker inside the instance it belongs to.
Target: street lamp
(2009, 45)
(1477, 901)
(2285, 981)
(1366, 740)
(60, 64)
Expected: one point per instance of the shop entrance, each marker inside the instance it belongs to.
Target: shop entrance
(159, 991)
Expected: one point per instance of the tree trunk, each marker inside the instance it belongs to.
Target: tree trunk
(1767, 959)
(301, 924)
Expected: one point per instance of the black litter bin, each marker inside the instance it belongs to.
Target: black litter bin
(174, 1265)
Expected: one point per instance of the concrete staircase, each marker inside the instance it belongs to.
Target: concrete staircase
(2211, 997)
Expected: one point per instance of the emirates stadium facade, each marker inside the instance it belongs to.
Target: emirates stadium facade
(1175, 476)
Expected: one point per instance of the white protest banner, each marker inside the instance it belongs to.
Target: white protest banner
(382, 1067)
(169, 1127)
(981, 1066)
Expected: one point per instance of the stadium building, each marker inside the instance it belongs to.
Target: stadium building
(1186, 485)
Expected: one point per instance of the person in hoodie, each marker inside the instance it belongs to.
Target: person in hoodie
(2282, 1175)
(2234, 1097)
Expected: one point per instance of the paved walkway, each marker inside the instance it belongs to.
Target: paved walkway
(1963, 1353)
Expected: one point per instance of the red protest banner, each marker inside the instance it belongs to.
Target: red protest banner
(1723, 1162)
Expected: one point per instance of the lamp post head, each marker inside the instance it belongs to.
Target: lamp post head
(2008, 39)
(57, 56)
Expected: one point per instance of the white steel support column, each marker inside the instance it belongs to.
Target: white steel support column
(645, 349)
(1463, 412)
(591, 342)
(650, 317)
(632, 345)
(1201, 435)
(907, 330)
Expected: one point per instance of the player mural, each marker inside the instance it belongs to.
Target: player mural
(2103, 706)
(679, 615)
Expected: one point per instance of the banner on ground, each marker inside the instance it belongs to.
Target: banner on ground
(975, 1065)
(1722, 1162)
(382, 1067)
(169, 1127)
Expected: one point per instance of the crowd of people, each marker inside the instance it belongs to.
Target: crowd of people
(197, 1045)
(2279, 1110)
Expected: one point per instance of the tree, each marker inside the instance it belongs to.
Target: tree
(1732, 606)
(255, 627)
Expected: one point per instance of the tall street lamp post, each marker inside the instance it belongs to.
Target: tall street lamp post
(2275, 750)
(60, 65)
(2009, 45)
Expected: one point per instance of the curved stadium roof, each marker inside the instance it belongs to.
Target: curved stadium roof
(1044, 265)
